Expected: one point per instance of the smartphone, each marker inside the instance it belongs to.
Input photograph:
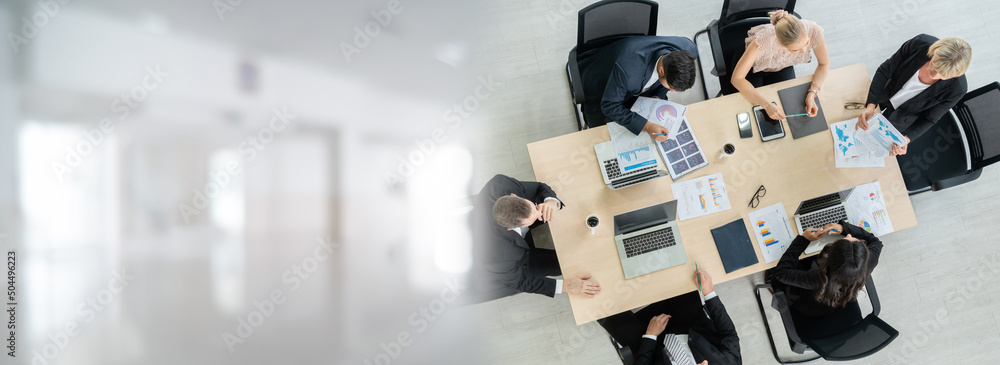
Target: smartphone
(770, 129)
(744, 121)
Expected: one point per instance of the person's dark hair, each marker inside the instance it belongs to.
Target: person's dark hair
(510, 211)
(680, 69)
(843, 271)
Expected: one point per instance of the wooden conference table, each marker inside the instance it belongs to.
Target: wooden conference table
(792, 170)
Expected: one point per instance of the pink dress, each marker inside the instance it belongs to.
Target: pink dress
(772, 56)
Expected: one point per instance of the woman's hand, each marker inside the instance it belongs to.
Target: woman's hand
(812, 234)
(811, 108)
(774, 111)
(865, 115)
(835, 228)
(900, 150)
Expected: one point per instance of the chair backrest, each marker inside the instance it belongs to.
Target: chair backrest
(734, 10)
(606, 21)
(979, 112)
(624, 352)
(860, 340)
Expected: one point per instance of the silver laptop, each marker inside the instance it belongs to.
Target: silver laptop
(648, 239)
(613, 175)
(820, 211)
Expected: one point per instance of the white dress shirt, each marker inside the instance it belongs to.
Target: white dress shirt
(911, 88)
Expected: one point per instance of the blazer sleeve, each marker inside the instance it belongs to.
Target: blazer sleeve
(538, 192)
(887, 70)
(517, 276)
(928, 117)
(647, 353)
(726, 330)
(786, 271)
(615, 93)
(874, 244)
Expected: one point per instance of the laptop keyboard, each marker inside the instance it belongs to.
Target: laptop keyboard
(614, 172)
(822, 218)
(649, 242)
(825, 200)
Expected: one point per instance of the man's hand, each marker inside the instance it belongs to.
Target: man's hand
(900, 150)
(865, 115)
(831, 227)
(657, 325)
(547, 208)
(581, 284)
(811, 107)
(706, 281)
(813, 234)
(651, 128)
(774, 111)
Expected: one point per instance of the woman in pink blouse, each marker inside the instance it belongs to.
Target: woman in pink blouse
(772, 50)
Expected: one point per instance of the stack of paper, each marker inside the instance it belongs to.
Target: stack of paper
(867, 206)
(681, 151)
(772, 230)
(700, 196)
(860, 148)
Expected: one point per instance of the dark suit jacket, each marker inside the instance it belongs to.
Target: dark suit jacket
(501, 255)
(800, 278)
(917, 115)
(615, 74)
(711, 338)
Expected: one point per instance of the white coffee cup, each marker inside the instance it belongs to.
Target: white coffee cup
(727, 150)
(593, 221)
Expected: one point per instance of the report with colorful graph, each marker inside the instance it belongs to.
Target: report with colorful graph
(867, 205)
(773, 230)
(701, 196)
(681, 152)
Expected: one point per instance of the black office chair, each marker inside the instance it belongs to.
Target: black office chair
(600, 24)
(955, 150)
(727, 35)
(624, 352)
(840, 337)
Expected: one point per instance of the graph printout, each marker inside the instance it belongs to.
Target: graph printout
(860, 148)
(634, 151)
(701, 196)
(773, 231)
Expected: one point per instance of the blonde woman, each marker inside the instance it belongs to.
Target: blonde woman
(772, 50)
(918, 84)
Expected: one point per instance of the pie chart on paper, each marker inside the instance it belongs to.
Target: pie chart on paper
(666, 110)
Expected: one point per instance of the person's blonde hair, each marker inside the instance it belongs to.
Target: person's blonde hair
(787, 27)
(953, 56)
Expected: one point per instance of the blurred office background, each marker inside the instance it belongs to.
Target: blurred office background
(238, 181)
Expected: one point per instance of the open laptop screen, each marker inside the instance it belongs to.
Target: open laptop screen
(646, 217)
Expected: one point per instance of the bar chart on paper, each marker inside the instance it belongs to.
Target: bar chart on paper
(772, 230)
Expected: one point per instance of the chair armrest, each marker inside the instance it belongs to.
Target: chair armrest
(873, 296)
(576, 84)
(716, 43)
(957, 180)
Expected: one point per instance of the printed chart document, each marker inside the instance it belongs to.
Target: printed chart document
(860, 148)
(773, 231)
(701, 196)
(634, 151)
(867, 205)
(681, 151)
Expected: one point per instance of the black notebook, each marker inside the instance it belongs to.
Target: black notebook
(793, 100)
(734, 246)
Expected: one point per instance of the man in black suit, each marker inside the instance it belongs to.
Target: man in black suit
(506, 260)
(687, 335)
(614, 76)
(918, 84)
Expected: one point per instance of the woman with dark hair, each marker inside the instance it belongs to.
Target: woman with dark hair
(820, 285)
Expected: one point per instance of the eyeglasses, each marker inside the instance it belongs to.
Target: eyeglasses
(853, 105)
(755, 201)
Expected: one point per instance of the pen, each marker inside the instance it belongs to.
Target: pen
(816, 230)
(796, 115)
(699, 276)
(659, 134)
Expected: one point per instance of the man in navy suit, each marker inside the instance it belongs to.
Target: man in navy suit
(614, 76)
